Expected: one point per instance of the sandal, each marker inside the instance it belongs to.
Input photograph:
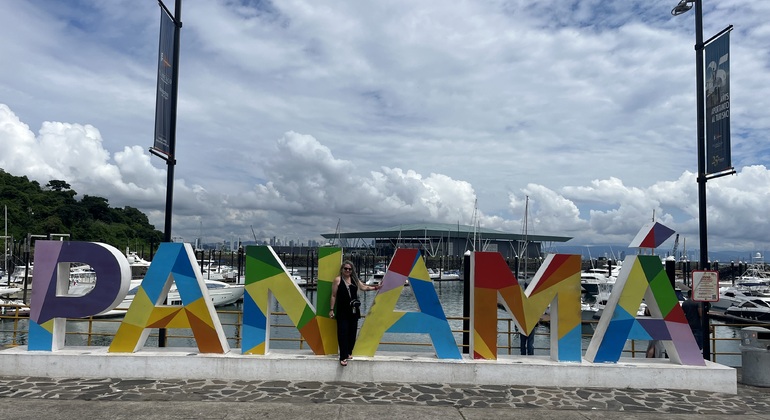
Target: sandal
(350, 357)
(343, 362)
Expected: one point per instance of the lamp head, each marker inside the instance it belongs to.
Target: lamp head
(682, 7)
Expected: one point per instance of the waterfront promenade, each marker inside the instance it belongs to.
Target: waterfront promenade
(96, 398)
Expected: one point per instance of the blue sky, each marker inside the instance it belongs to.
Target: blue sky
(295, 115)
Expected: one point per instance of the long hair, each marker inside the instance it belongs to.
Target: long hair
(353, 275)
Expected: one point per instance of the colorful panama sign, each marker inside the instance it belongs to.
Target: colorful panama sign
(557, 283)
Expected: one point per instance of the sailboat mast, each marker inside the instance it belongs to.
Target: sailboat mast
(475, 221)
(5, 246)
(524, 230)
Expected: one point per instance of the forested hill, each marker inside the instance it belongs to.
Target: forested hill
(53, 209)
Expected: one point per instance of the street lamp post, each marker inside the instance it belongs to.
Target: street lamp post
(682, 7)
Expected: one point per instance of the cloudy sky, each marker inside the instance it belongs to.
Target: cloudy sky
(296, 114)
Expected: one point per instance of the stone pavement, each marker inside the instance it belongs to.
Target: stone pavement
(54, 398)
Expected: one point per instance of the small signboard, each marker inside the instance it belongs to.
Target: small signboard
(705, 286)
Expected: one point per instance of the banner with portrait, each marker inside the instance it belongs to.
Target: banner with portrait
(163, 100)
(717, 80)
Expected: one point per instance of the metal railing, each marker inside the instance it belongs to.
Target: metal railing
(14, 325)
(635, 348)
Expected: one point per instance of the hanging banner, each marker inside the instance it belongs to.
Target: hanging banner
(163, 103)
(718, 105)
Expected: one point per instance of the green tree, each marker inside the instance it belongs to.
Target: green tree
(55, 209)
(57, 185)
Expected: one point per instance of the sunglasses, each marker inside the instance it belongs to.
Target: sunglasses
(347, 268)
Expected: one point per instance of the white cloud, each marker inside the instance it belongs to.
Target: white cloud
(308, 187)
(296, 114)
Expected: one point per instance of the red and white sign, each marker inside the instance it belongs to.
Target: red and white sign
(705, 286)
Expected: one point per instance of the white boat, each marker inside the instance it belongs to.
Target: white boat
(13, 307)
(10, 307)
(221, 272)
(213, 272)
(296, 277)
(755, 275)
(610, 274)
(443, 275)
(17, 276)
(603, 297)
(378, 275)
(729, 296)
(138, 265)
(590, 281)
(378, 272)
(642, 311)
(588, 312)
(220, 293)
(229, 273)
(450, 275)
(298, 280)
(755, 309)
(79, 274)
(82, 274)
(5, 290)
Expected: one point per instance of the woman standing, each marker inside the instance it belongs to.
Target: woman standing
(345, 295)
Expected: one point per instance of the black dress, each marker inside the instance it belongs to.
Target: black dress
(347, 322)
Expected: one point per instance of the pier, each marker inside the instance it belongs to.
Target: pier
(413, 368)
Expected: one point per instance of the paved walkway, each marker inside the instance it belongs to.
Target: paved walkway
(49, 398)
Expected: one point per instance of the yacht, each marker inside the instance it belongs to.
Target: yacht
(590, 281)
(220, 293)
(444, 275)
(378, 272)
(5, 290)
(138, 265)
(450, 275)
(213, 272)
(756, 309)
(229, 273)
(611, 274)
(588, 312)
(17, 276)
(729, 296)
(82, 274)
(603, 297)
(298, 280)
(9, 306)
(755, 275)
